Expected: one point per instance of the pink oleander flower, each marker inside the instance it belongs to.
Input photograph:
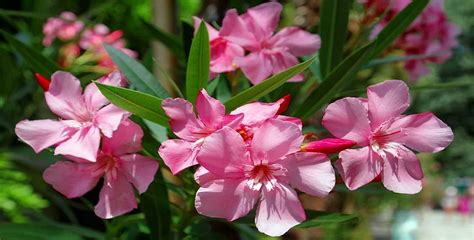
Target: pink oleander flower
(93, 39)
(179, 154)
(119, 165)
(269, 53)
(386, 136)
(430, 35)
(223, 52)
(83, 118)
(263, 173)
(66, 27)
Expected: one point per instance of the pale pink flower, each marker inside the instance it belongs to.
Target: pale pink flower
(119, 165)
(430, 35)
(263, 173)
(83, 118)
(93, 39)
(223, 52)
(66, 27)
(179, 154)
(386, 136)
(269, 53)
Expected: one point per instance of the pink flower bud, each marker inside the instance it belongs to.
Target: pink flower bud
(328, 145)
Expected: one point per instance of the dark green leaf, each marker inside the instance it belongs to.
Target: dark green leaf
(138, 103)
(197, 70)
(333, 32)
(35, 61)
(155, 205)
(336, 81)
(42, 231)
(265, 87)
(170, 41)
(211, 87)
(136, 73)
(316, 219)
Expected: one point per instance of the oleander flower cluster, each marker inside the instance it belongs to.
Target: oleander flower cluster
(248, 42)
(97, 141)
(431, 36)
(80, 45)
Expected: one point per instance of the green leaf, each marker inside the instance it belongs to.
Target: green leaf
(197, 70)
(316, 219)
(265, 87)
(212, 86)
(170, 41)
(155, 205)
(345, 72)
(36, 62)
(398, 25)
(43, 231)
(333, 32)
(136, 73)
(138, 103)
(336, 81)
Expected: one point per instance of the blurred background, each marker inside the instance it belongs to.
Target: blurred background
(443, 210)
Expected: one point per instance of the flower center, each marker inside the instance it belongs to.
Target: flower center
(106, 164)
(264, 175)
(382, 142)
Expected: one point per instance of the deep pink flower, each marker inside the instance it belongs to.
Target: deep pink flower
(269, 53)
(119, 165)
(386, 137)
(328, 145)
(66, 27)
(179, 154)
(263, 173)
(431, 35)
(223, 52)
(82, 117)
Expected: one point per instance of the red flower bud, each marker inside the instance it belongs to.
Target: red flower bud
(328, 145)
(284, 103)
(42, 81)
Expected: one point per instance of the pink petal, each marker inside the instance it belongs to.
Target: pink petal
(256, 66)
(235, 30)
(210, 110)
(347, 118)
(294, 120)
(283, 60)
(237, 197)
(93, 98)
(116, 198)
(256, 112)
(311, 173)
(139, 170)
(232, 121)
(202, 176)
(223, 153)
(223, 54)
(402, 174)
(109, 118)
(358, 167)
(387, 100)
(274, 140)
(71, 179)
(178, 154)
(183, 122)
(263, 19)
(213, 33)
(126, 139)
(41, 134)
(328, 145)
(307, 43)
(83, 144)
(424, 132)
(278, 211)
(64, 97)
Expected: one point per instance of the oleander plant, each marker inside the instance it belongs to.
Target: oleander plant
(258, 127)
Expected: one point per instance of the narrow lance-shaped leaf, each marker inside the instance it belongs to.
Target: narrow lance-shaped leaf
(265, 87)
(35, 61)
(333, 32)
(138, 103)
(346, 71)
(136, 73)
(197, 70)
(316, 219)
